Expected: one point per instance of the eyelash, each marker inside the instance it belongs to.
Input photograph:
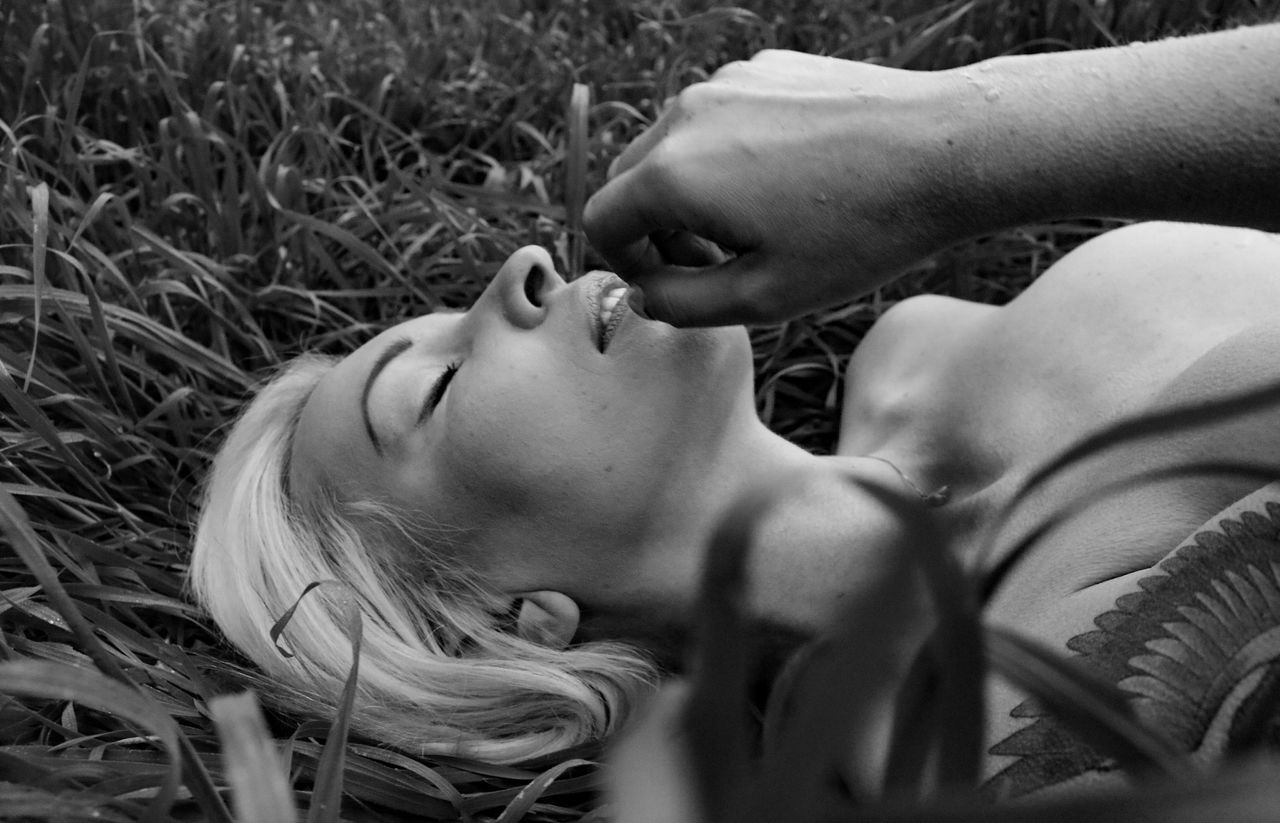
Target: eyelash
(437, 393)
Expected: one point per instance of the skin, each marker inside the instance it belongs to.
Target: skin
(1141, 319)
(533, 406)
(970, 396)
(855, 173)
(825, 178)
(572, 479)
(791, 182)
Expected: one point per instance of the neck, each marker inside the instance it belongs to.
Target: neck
(827, 552)
(832, 542)
(824, 540)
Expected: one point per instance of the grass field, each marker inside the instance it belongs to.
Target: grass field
(192, 192)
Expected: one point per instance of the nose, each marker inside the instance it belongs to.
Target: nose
(522, 284)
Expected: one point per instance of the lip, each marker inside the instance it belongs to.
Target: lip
(602, 336)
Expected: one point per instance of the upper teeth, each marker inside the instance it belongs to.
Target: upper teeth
(609, 302)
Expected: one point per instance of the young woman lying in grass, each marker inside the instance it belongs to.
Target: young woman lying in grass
(520, 495)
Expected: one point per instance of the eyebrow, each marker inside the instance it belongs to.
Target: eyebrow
(393, 350)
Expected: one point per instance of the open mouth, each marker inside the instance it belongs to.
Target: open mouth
(611, 309)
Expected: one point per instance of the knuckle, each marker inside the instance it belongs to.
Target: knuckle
(694, 98)
(756, 301)
(732, 71)
(661, 169)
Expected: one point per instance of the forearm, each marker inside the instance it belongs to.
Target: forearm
(1184, 129)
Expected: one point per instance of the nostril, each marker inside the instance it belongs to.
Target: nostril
(533, 285)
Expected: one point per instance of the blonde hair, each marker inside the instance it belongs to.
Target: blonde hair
(438, 672)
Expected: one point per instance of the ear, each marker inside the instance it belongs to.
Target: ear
(547, 618)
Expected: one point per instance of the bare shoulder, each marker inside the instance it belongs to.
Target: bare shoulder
(1103, 331)
(899, 364)
(1198, 273)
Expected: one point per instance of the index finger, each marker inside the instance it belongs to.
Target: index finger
(638, 148)
(618, 220)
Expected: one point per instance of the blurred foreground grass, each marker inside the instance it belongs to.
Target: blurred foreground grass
(192, 192)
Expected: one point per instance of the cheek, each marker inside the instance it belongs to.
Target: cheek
(520, 445)
(541, 439)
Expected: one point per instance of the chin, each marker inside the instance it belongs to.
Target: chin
(725, 346)
(720, 361)
(700, 365)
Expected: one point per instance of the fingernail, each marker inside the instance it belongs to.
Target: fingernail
(635, 302)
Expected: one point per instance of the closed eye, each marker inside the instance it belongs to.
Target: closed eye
(437, 391)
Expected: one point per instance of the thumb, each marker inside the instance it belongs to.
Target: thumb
(737, 291)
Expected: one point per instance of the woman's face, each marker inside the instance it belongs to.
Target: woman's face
(509, 424)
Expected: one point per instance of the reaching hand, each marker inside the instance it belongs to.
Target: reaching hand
(821, 177)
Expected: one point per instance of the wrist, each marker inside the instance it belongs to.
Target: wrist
(1005, 161)
(963, 149)
(1181, 129)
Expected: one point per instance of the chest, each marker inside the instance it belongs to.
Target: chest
(1140, 480)
(987, 404)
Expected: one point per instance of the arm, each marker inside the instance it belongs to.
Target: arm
(827, 177)
(1185, 129)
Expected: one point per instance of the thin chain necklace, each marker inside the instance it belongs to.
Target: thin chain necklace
(934, 499)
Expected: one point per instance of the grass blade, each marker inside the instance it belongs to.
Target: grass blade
(716, 711)
(575, 196)
(17, 528)
(23, 539)
(523, 802)
(326, 800)
(47, 680)
(1260, 472)
(40, 423)
(39, 256)
(1148, 426)
(958, 640)
(1094, 709)
(259, 785)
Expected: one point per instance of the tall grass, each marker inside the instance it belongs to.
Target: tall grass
(193, 191)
